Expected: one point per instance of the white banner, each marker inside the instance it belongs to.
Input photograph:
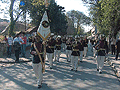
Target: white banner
(44, 28)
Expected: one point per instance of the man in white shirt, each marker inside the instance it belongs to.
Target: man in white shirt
(9, 46)
(17, 46)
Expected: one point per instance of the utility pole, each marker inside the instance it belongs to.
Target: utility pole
(25, 20)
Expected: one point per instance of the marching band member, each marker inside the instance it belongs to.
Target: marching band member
(50, 49)
(85, 46)
(95, 49)
(69, 49)
(102, 46)
(37, 49)
(75, 54)
(63, 43)
(58, 48)
(81, 48)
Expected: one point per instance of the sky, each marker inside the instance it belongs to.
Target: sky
(73, 5)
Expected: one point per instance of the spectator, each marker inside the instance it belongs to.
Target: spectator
(5, 39)
(9, 46)
(118, 48)
(113, 41)
(17, 40)
(23, 45)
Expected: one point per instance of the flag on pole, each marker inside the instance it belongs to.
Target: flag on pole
(44, 28)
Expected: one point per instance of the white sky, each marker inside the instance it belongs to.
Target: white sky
(73, 5)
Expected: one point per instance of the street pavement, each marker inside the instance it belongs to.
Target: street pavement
(20, 76)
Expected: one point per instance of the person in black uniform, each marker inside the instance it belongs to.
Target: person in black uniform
(58, 48)
(81, 48)
(50, 50)
(37, 49)
(69, 48)
(64, 43)
(102, 47)
(95, 49)
(85, 46)
(75, 54)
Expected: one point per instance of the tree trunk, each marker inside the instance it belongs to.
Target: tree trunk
(12, 22)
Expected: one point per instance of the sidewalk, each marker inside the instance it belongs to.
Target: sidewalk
(7, 60)
(114, 64)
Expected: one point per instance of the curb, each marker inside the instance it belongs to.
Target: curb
(115, 67)
(15, 62)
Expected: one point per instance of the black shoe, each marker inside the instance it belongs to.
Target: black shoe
(50, 67)
(39, 86)
(81, 61)
(23, 56)
(71, 69)
(75, 70)
(100, 72)
(16, 61)
(97, 69)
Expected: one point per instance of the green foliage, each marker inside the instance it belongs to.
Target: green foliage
(57, 18)
(106, 15)
(80, 19)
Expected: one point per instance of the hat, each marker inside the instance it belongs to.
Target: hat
(76, 37)
(81, 36)
(52, 34)
(59, 36)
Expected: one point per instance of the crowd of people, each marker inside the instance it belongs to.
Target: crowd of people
(75, 48)
(18, 44)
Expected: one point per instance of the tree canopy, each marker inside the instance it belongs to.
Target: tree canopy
(79, 20)
(36, 9)
(57, 18)
(106, 15)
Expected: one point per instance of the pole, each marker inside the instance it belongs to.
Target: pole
(44, 57)
(25, 20)
(46, 5)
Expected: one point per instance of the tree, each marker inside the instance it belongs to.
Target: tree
(14, 12)
(106, 15)
(57, 18)
(111, 12)
(79, 19)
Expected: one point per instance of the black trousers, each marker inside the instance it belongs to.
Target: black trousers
(113, 49)
(117, 55)
(17, 54)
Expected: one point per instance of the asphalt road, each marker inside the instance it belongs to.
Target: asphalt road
(20, 76)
